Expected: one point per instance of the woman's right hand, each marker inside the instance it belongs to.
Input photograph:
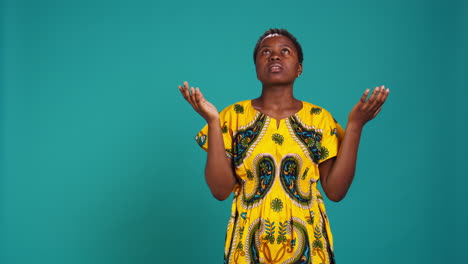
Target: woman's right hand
(195, 98)
(219, 173)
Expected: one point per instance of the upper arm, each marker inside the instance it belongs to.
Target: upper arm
(226, 120)
(324, 170)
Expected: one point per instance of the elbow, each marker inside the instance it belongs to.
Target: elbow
(335, 194)
(336, 197)
(220, 188)
(220, 196)
(220, 192)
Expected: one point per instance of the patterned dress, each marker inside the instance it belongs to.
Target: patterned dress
(278, 215)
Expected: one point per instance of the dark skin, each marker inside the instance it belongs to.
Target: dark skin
(277, 68)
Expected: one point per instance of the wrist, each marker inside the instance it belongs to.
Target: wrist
(355, 126)
(213, 121)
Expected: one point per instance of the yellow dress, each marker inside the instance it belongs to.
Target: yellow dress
(278, 215)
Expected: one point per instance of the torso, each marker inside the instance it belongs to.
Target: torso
(277, 168)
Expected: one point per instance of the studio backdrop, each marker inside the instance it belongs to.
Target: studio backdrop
(98, 162)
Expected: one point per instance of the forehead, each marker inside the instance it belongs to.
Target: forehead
(277, 40)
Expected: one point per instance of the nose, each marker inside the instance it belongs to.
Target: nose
(274, 57)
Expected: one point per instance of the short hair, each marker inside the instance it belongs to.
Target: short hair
(282, 32)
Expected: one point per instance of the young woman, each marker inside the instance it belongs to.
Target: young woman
(271, 152)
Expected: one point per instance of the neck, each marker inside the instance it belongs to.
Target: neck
(277, 102)
(277, 96)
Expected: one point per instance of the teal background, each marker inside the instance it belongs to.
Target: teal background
(98, 162)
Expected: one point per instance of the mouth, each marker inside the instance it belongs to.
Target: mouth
(275, 67)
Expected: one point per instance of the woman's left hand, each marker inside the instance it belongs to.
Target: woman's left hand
(366, 110)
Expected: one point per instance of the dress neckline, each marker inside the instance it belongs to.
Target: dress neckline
(278, 121)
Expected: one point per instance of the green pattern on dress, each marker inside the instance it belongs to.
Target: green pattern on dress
(278, 139)
(241, 233)
(311, 218)
(259, 230)
(250, 175)
(318, 235)
(245, 138)
(324, 151)
(270, 231)
(311, 138)
(277, 205)
(316, 110)
(304, 175)
(282, 232)
(224, 128)
(238, 108)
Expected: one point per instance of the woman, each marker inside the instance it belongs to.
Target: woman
(271, 152)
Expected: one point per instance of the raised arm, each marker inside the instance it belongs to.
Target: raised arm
(219, 173)
(336, 174)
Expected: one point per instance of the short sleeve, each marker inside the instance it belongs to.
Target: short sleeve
(331, 137)
(226, 128)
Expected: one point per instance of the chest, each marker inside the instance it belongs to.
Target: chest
(275, 147)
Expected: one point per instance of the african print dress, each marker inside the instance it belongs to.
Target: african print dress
(278, 215)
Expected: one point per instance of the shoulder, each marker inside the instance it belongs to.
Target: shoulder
(315, 112)
(238, 114)
(237, 108)
(319, 118)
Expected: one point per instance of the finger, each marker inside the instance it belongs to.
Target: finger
(366, 105)
(373, 95)
(369, 103)
(194, 97)
(382, 95)
(377, 112)
(373, 102)
(386, 92)
(364, 96)
(183, 91)
(199, 96)
(380, 100)
(186, 89)
(180, 89)
(378, 95)
(188, 94)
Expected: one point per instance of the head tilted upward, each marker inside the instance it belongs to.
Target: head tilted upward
(275, 32)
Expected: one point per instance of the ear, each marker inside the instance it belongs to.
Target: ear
(299, 70)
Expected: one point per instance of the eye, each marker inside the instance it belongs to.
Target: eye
(285, 51)
(265, 52)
